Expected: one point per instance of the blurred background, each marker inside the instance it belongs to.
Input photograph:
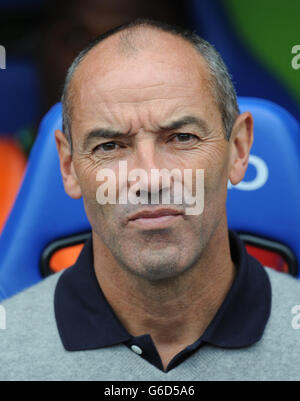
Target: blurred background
(42, 37)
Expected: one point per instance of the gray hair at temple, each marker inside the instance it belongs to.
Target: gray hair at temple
(221, 83)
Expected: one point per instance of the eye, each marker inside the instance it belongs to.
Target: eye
(107, 147)
(183, 137)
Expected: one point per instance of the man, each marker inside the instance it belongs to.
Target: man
(157, 293)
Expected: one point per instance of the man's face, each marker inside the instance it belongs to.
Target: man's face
(138, 95)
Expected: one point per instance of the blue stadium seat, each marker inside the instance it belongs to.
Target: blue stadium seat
(42, 213)
(264, 204)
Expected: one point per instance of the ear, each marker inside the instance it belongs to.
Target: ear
(68, 173)
(240, 144)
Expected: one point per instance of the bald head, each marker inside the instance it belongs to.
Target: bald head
(144, 36)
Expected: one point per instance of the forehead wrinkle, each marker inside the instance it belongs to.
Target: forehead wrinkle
(137, 93)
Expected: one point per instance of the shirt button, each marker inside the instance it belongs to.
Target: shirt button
(136, 349)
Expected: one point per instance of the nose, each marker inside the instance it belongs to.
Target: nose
(144, 168)
(146, 155)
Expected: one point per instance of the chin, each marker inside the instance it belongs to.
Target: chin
(158, 265)
(157, 274)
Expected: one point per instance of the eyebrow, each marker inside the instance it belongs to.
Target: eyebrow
(184, 121)
(101, 133)
(109, 133)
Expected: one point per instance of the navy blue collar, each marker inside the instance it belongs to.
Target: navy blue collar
(86, 321)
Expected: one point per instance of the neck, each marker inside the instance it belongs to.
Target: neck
(163, 308)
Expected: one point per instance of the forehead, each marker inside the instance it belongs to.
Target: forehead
(149, 70)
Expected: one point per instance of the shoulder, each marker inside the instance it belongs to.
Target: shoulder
(285, 288)
(30, 329)
(34, 299)
(285, 296)
(31, 306)
(281, 328)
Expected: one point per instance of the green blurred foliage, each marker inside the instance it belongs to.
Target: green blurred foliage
(269, 29)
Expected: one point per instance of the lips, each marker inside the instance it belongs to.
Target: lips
(154, 219)
(152, 214)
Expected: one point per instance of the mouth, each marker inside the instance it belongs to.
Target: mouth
(155, 219)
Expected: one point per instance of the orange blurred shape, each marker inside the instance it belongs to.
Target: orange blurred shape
(64, 257)
(268, 258)
(12, 167)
